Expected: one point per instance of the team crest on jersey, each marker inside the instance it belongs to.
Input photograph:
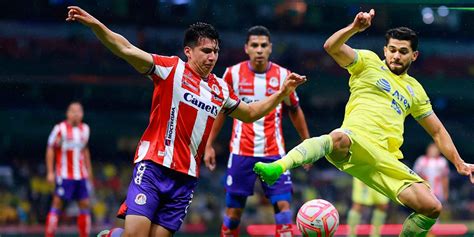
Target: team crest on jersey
(216, 89)
(383, 85)
(140, 199)
(273, 82)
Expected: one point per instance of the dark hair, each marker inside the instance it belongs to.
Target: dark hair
(403, 33)
(197, 31)
(258, 30)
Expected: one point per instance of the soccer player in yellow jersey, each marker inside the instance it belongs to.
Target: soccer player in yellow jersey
(367, 144)
(363, 196)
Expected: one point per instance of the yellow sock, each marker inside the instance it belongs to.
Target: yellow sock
(378, 219)
(353, 219)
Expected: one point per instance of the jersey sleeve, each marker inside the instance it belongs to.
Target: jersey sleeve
(163, 65)
(227, 77)
(54, 137)
(87, 132)
(445, 167)
(362, 58)
(421, 103)
(292, 101)
(231, 102)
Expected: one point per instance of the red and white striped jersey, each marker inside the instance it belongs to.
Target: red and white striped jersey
(433, 170)
(263, 137)
(68, 143)
(183, 110)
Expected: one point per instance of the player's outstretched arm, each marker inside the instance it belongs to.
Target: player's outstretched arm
(249, 113)
(443, 140)
(336, 45)
(139, 59)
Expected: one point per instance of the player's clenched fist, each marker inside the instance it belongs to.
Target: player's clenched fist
(363, 20)
(76, 13)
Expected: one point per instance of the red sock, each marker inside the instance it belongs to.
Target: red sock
(283, 230)
(226, 232)
(51, 224)
(84, 223)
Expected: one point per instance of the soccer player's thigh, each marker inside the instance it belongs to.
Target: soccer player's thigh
(377, 168)
(179, 192)
(281, 190)
(240, 179)
(143, 198)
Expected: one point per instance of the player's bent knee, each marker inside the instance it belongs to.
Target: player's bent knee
(341, 145)
(432, 210)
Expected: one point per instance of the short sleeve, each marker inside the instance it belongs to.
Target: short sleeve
(163, 66)
(421, 103)
(54, 136)
(361, 59)
(292, 101)
(445, 167)
(227, 77)
(87, 133)
(231, 103)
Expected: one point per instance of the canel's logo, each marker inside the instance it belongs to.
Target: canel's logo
(212, 109)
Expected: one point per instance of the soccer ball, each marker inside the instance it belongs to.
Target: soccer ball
(317, 218)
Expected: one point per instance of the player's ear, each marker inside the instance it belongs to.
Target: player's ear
(187, 51)
(415, 55)
(270, 47)
(385, 51)
(246, 47)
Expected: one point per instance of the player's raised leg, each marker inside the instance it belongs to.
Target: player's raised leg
(310, 150)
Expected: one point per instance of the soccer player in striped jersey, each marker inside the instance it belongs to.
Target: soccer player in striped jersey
(68, 166)
(187, 98)
(253, 80)
(434, 168)
(367, 145)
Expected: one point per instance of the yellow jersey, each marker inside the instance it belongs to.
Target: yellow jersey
(380, 100)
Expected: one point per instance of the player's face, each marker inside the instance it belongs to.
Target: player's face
(432, 151)
(399, 55)
(258, 48)
(203, 57)
(74, 113)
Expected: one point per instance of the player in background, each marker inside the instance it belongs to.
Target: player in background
(364, 196)
(253, 80)
(434, 168)
(187, 98)
(367, 146)
(68, 164)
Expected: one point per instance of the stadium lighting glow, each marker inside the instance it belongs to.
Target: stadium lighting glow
(443, 11)
(427, 14)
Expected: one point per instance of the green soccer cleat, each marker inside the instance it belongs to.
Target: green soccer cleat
(268, 172)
